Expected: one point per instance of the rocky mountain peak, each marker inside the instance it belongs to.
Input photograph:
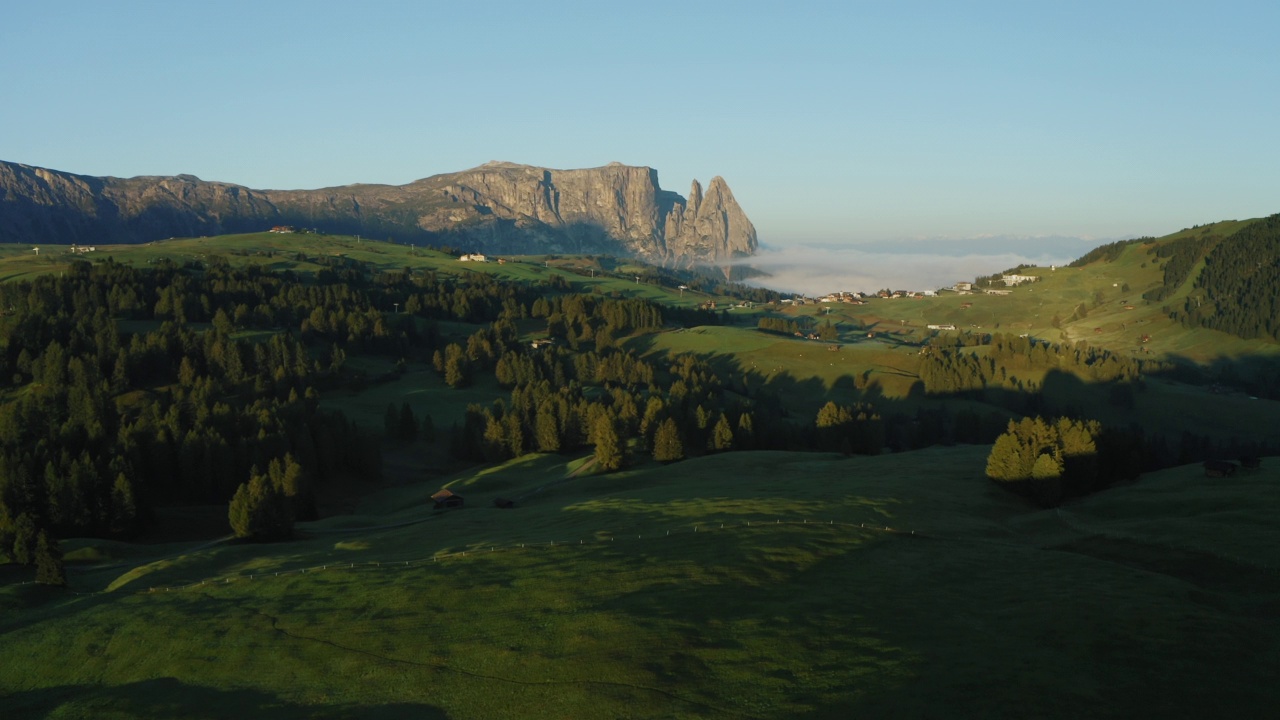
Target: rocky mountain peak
(498, 207)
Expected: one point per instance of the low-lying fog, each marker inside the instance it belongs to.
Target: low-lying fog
(909, 265)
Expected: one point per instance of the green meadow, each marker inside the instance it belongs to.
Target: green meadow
(742, 585)
(735, 585)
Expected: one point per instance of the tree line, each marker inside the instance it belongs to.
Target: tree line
(960, 370)
(1238, 291)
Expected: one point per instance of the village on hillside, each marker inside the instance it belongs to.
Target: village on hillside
(1009, 280)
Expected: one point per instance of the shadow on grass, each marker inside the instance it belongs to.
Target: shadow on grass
(172, 698)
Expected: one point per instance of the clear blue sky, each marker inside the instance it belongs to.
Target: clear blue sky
(832, 122)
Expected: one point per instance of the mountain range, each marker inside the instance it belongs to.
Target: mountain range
(498, 207)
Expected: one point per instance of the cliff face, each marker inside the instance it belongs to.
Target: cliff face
(496, 208)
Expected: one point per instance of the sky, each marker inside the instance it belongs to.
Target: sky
(844, 126)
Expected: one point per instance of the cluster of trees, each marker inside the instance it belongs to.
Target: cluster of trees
(947, 370)
(264, 508)
(1238, 290)
(856, 429)
(827, 331)
(786, 326)
(104, 424)
(1050, 460)
(108, 423)
(562, 401)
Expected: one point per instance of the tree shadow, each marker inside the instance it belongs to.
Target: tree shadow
(1255, 375)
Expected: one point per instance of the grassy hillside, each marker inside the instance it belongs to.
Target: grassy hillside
(1117, 317)
(742, 584)
(299, 251)
(745, 585)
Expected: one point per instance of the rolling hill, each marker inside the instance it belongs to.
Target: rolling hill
(751, 583)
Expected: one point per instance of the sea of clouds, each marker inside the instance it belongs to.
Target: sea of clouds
(820, 269)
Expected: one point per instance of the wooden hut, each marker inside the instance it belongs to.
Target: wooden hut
(447, 499)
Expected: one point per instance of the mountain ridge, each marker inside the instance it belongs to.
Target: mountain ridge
(498, 207)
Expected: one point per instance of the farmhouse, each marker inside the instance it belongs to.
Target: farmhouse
(446, 499)
(540, 343)
(282, 229)
(1015, 280)
(963, 287)
(947, 326)
(474, 257)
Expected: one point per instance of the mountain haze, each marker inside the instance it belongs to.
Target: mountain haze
(497, 208)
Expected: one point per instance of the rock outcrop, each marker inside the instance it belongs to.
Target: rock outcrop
(495, 208)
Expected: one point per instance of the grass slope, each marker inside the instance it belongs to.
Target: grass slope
(744, 585)
(299, 252)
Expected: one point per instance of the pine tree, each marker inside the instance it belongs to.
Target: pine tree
(496, 446)
(1007, 461)
(722, 435)
(547, 429)
(49, 567)
(516, 445)
(124, 507)
(653, 410)
(667, 446)
(834, 424)
(455, 375)
(608, 446)
(1046, 468)
(746, 435)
